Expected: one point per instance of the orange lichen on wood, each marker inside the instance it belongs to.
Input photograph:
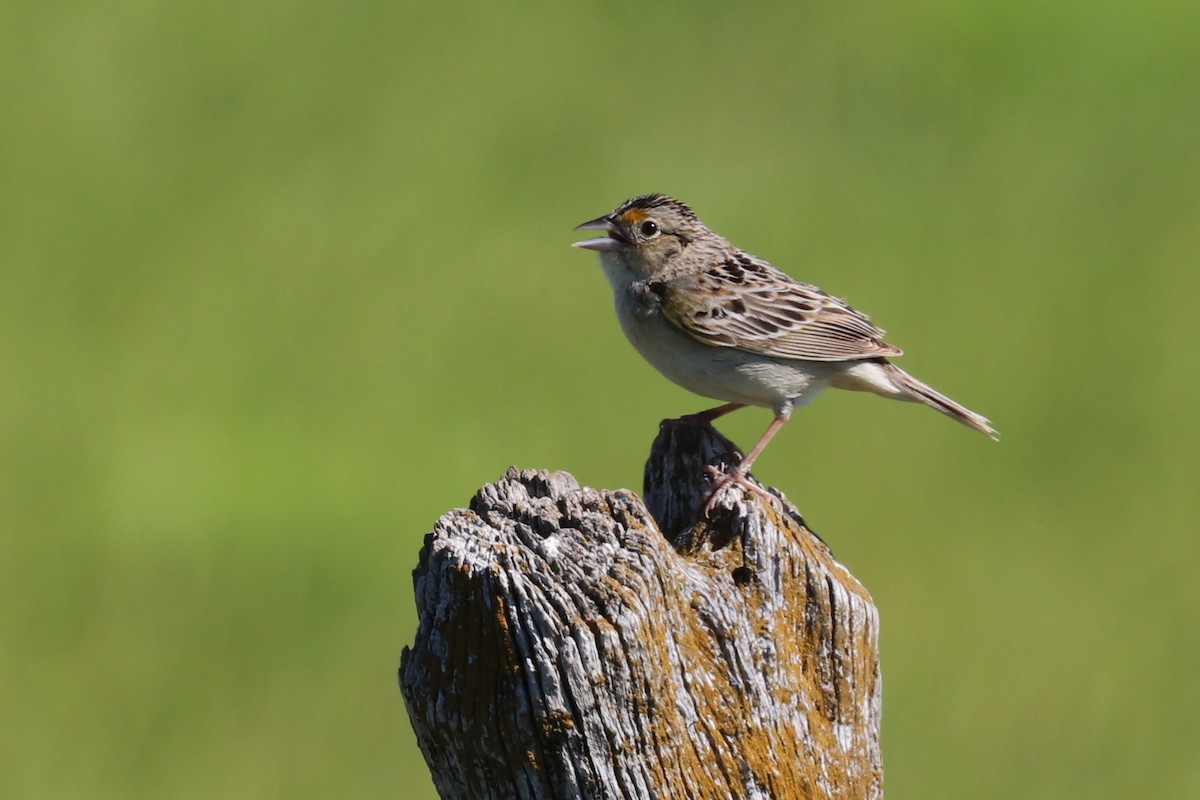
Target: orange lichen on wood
(576, 643)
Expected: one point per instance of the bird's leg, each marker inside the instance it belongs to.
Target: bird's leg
(706, 417)
(737, 475)
(705, 420)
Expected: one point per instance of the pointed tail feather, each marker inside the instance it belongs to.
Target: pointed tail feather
(919, 392)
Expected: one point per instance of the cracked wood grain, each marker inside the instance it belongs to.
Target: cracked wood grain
(576, 643)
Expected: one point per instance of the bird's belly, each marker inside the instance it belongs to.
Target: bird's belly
(723, 373)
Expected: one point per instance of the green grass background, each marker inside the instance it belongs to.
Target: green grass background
(280, 283)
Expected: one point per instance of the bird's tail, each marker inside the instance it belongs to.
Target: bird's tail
(912, 389)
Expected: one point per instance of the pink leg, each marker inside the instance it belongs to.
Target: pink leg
(737, 475)
(705, 419)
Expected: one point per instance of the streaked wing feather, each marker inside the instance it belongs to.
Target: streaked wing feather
(750, 305)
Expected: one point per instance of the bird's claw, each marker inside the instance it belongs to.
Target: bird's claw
(725, 480)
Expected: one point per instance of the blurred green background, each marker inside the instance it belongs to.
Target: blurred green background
(283, 282)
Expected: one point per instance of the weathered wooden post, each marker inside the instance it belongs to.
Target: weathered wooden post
(576, 643)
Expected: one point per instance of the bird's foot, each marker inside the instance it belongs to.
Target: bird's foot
(725, 480)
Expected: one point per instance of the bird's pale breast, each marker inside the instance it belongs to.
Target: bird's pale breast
(722, 373)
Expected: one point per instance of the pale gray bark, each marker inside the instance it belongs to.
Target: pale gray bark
(570, 646)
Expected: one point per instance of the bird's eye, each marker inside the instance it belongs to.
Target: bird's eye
(649, 228)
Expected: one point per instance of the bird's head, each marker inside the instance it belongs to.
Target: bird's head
(645, 233)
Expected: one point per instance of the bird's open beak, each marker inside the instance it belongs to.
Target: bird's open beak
(604, 244)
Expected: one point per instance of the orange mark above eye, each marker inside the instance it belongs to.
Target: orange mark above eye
(633, 216)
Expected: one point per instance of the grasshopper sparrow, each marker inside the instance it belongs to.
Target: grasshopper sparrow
(728, 325)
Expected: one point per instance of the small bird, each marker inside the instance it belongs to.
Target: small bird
(728, 325)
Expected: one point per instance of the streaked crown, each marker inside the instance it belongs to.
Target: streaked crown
(636, 209)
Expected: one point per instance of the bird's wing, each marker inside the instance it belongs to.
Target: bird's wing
(748, 304)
